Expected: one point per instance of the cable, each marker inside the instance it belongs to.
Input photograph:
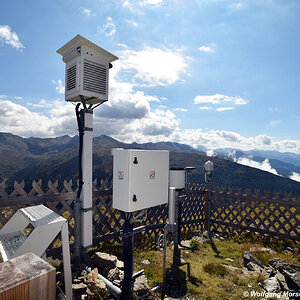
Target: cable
(80, 129)
(138, 217)
(77, 204)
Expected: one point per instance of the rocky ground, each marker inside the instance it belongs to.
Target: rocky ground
(88, 285)
(275, 276)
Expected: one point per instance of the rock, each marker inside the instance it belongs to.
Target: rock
(200, 239)
(229, 259)
(76, 280)
(274, 262)
(113, 274)
(250, 261)
(267, 272)
(117, 283)
(104, 260)
(206, 234)
(141, 286)
(246, 273)
(98, 287)
(185, 243)
(89, 292)
(281, 279)
(251, 266)
(91, 276)
(79, 286)
(271, 285)
(290, 271)
(146, 262)
(262, 249)
(120, 264)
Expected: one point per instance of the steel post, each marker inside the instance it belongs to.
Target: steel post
(87, 178)
(127, 286)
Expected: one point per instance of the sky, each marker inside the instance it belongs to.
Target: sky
(207, 73)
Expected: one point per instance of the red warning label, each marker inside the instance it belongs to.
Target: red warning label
(152, 175)
(121, 175)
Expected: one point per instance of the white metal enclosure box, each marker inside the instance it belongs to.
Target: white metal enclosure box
(87, 68)
(140, 178)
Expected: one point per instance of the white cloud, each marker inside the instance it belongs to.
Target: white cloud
(213, 99)
(205, 107)
(264, 165)
(295, 176)
(224, 108)
(206, 49)
(9, 37)
(42, 104)
(87, 12)
(154, 3)
(234, 100)
(237, 5)
(219, 99)
(18, 119)
(181, 109)
(109, 28)
(122, 45)
(154, 66)
(275, 122)
(214, 139)
(135, 24)
(133, 8)
(60, 88)
(128, 117)
(210, 153)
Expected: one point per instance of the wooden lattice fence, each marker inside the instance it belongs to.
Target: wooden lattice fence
(272, 214)
(231, 211)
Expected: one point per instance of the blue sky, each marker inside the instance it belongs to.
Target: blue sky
(212, 73)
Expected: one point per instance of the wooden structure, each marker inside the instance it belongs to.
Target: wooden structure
(46, 226)
(27, 277)
(231, 210)
(237, 211)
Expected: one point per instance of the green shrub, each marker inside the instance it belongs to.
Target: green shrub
(264, 257)
(195, 245)
(215, 269)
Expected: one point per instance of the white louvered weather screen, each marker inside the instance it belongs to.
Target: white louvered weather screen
(94, 77)
(71, 78)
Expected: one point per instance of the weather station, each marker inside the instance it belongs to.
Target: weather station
(86, 85)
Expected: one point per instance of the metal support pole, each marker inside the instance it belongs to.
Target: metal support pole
(127, 286)
(87, 178)
(77, 205)
(77, 234)
(208, 207)
(176, 252)
(164, 263)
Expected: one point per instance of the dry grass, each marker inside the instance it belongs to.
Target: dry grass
(209, 279)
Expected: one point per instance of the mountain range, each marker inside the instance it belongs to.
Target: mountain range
(57, 159)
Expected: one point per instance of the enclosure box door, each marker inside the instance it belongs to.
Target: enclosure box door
(140, 178)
